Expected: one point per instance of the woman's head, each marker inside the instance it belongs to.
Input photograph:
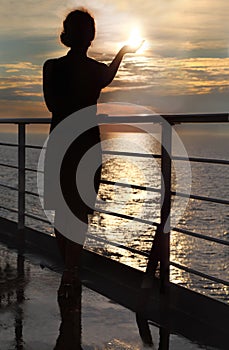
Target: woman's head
(78, 29)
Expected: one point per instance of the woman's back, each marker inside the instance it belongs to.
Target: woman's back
(74, 82)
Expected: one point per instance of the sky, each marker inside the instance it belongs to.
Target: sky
(184, 68)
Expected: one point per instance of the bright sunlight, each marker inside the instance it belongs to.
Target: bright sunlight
(135, 40)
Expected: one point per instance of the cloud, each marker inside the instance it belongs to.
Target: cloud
(20, 81)
(19, 65)
(170, 76)
(23, 109)
(180, 26)
(179, 33)
(139, 79)
(177, 27)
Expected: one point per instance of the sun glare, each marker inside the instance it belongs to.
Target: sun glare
(135, 40)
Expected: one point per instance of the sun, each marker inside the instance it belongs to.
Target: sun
(135, 40)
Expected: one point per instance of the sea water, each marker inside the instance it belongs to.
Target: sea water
(207, 218)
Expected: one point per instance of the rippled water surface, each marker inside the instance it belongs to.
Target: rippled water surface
(207, 218)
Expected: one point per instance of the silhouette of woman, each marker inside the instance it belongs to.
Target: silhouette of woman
(71, 83)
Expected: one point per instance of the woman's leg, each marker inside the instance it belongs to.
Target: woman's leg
(71, 254)
(69, 250)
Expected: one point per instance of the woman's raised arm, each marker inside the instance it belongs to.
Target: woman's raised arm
(113, 67)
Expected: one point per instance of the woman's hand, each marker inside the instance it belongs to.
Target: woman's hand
(131, 48)
(113, 67)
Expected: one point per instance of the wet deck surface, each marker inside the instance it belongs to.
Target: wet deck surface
(30, 317)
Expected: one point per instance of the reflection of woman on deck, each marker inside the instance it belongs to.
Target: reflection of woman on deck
(70, 83)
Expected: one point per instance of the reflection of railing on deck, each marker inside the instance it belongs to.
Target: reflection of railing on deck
(161, 246)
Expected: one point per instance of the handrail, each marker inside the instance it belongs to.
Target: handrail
(25, 120)
(137, 187)
(132, 154)
(199, 235)
(198, 273)
(9, 187)
(9, 166)
(7, 143)
(172, 263)
(127, 217)
(118, 245)
(32, 193)
(173, 118)
(33, 147)
(9, 209)
(34, 170)
(105, 119)
(200, 198)
(37, 218)
(202, 160)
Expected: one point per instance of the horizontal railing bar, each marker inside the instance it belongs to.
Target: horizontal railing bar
(170, 118)
(8, 166)
(137, 187)
(158, 156)
(197, 118)
(140, 118)
(201, 198)
(9, 209)
(201, 236)
(151, 189)
(142, 155)
(8, 144)
(132, 154)
(127, 217)
(132, 250)
(180, 194)
(202, 160)
(34, 170)
(33, 146)
(9, 187)
(37, 218)
(32, 193)
(198, 273)
(30, 169)
(25, 120)
(187, 269)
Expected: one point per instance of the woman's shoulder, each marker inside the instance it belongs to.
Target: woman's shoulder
(96, 63)
(48, 64)
(53, 63)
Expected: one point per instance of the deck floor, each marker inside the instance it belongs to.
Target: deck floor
(30, 316)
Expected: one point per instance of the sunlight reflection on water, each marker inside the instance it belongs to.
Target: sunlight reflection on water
(207, 218)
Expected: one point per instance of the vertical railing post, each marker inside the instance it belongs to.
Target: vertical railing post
(160, 250)
(21, 178)
(166, 171)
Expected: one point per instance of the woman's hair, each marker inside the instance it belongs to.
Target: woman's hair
(78, 29)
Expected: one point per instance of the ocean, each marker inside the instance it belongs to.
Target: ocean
(210, 180)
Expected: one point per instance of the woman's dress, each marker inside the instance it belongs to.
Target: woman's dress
(71, 83)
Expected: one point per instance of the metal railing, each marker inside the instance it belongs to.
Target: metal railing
(160, 251)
